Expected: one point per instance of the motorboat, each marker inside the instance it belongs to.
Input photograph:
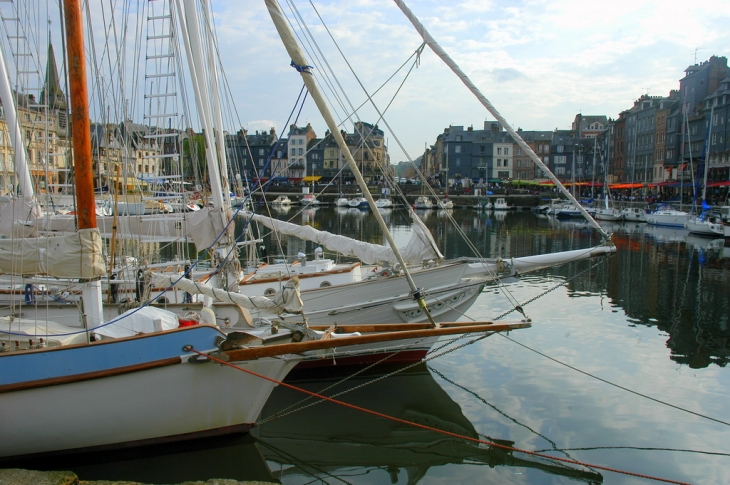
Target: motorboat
(282, 200)
(500, 204)
(309, 199)
(423, 202)
(358, 202)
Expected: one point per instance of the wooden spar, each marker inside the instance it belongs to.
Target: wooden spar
(80, 123)
(389, 327)
(297, 347)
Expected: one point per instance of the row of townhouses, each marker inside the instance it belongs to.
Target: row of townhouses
(660, 140)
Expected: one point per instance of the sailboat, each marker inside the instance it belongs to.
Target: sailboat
(606, 213)
(105, 391)
(147, 376)
(423, 203)
(709, 222)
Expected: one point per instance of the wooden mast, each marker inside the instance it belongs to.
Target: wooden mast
(80, 123)
(93, 312)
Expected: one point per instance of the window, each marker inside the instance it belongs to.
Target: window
(506, 151)
(301, 152)
(714, 138)
(457, 163)
(560, 148)
(482, 149)
(519, 151)
(261, 162)
(499, 162)
(560, 170)
(457, 149)
(293, 151)
(499, 150)
(506, 162)
(559, 159)
(261, 151)
(528, 163)
(519, 163)
(458, 137)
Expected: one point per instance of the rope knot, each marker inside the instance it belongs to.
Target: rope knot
(301, 68)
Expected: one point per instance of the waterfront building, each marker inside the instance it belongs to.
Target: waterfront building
(539, 142)
(717, 112)
(589, 126)
(248, 154)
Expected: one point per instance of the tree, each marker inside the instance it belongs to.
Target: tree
(193, 149)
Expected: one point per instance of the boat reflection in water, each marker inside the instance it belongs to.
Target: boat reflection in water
(331, 442)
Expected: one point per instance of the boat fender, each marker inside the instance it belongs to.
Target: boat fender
(207, 316)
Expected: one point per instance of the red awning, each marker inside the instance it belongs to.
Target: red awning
(724, 183)
(635, 185)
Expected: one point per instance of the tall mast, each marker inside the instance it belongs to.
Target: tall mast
(11, 116)
(707, 153)
(438, 50)
(80, 123)
(298, 59)
(81, 136)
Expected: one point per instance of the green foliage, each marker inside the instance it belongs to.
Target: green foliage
(194, 156)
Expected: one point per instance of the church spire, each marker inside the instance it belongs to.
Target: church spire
(51, 94)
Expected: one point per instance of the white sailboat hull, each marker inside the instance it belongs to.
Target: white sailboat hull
(634, 215)
(671, 218)
(608, 215)
(114, 405)
(701, 227)
(450, 290)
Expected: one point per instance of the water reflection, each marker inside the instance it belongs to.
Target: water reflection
(331, 442)
(667, 278)
(660, 277)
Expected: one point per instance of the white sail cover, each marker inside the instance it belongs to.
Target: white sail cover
(201, 226)
(74, 256)
(18, 216)
(285, 300)
(421, 246)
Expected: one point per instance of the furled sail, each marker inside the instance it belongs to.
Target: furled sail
(74, 256)
(421, 246)
(202, 226)
(285, 300)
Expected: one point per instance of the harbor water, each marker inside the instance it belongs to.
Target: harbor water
(624, 367)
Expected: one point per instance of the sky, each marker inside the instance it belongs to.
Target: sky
(539, 62)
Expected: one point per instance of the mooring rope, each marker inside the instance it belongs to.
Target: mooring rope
(436, 430)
